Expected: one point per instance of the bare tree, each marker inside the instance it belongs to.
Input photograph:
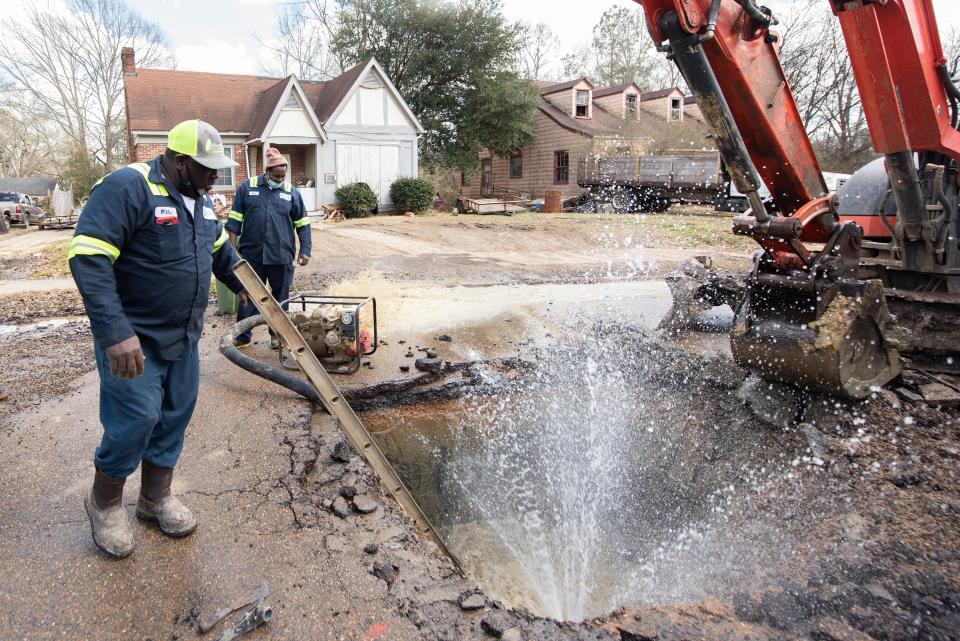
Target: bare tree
(28, 144)
(538, 51)
(69, 63)
(301, 42)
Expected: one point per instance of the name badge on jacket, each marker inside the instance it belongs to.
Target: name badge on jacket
(285, 196)
(165, 216)
(208, 214)
(254, 193)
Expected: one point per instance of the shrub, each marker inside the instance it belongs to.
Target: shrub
(356, 199)
(411, 194)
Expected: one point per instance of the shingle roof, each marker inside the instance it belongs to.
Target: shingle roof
(563, 86)
(659, 93)
(264, 108)
(158, 99)
(607, 91)
(32, 185)
(689, 100)
(327, 100)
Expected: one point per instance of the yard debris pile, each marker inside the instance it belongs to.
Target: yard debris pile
(33, 306)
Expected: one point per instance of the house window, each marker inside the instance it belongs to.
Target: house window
(632, 103)
(516, 165)
(583, 103)
(676, 109)
(225, 177)
(291, 102)
(464, 179)
(561, 167)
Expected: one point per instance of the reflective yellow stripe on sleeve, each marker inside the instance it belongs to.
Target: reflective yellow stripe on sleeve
(287, 187)
(235, 215)
(303, 221)
(253, 181)
(89, 246)
(217, 244)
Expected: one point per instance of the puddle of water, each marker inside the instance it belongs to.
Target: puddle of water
(597, 486)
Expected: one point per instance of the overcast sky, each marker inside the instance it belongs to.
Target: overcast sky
(221, 35)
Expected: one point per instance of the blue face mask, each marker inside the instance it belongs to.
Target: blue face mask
(274, 185)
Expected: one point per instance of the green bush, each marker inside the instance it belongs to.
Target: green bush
(411, 194)
(356, 200)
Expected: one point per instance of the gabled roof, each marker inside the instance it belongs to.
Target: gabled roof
(289, 85)
(336, 90)
(359, 74)
(563, 86)
(659, 93)
(31, 185)
(689, 100)
(608, 91)
(158, 99)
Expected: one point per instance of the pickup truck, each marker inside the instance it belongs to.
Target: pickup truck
(20, 208)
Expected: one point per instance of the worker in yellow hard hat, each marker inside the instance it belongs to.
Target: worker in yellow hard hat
(142, 257)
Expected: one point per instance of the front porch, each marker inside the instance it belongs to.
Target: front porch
(303, 165)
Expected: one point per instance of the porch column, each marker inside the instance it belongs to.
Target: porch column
(318, 179)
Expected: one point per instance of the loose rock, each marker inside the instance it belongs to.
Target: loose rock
(340, 508)
(428, 364)
(473, 602)
(386, 571)
(348, 491)
(637, 631)
(371, 548)
(938, 394)
(820, 444)
(364, 504)
(444, 338)
(496, 623)
(342, 452)
(832, 630)
(513, 634)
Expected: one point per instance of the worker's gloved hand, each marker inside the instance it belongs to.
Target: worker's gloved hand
(303, 260)
(126, 358)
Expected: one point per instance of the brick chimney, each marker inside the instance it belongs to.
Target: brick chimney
(128, 60)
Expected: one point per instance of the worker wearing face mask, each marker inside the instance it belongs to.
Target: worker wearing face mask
(266, 216)
(142, 256)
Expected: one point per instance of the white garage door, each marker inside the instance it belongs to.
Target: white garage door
(376, 165)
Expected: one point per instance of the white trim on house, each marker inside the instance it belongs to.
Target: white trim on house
(373, 64)
(293, 84)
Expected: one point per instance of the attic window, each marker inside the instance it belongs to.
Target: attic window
(632, 103)
(583, 103)
(292, 102)
(372, 82)
(676, 109)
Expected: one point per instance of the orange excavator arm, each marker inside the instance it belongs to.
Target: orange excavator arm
(807, 317)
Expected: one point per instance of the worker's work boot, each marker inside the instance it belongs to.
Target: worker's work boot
(156, 503)
(108, 520)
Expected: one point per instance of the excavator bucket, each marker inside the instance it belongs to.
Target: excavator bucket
(847, 349)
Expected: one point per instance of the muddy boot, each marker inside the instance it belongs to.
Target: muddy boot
(108, 521)
(157, 504)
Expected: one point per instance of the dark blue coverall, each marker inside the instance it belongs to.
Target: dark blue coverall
(142, 263)
(265, 220)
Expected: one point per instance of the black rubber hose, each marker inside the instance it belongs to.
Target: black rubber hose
(261, 369)
(756, 13)
(711, 21)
